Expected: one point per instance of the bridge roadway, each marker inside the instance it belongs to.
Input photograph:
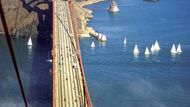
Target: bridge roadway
(68, 80)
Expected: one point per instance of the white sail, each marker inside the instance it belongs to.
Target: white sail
(93, 45)
(152, 49)
(125, 41)
(136, 50)
(156, 46)
(147, 52)
(30, 42)
(173, 50)
(179, 49)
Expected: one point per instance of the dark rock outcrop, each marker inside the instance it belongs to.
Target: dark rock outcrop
(28, 17)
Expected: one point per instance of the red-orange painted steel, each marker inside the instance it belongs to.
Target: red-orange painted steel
(74, 23)
(53, 53)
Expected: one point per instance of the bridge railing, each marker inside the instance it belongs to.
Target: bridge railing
(76, 34)
(87, 99)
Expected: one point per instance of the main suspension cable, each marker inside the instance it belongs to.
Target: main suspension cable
(8, 38)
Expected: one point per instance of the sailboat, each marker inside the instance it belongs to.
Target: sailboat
(173, 50)
(156, 46)
(136, 50)
(49, 60)
(125, 41)
(93, 45)
(179, 49)
(152, 49)
(147, 52)
(29, 42)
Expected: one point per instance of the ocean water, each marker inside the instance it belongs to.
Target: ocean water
(34, 72)
(116, 78)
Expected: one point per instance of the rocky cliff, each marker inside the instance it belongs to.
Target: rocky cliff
(83, 15)
(27, 17)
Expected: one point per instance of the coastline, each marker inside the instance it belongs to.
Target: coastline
(83, 16)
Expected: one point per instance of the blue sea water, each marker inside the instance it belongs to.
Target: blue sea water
(116, 78)
(34, 72)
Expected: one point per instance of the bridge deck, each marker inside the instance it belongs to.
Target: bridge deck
(68, 84)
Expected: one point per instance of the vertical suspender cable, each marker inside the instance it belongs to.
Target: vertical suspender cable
(8, 38)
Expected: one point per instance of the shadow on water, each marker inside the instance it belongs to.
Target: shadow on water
(34, 71)
(40, 89)
(44, 16)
